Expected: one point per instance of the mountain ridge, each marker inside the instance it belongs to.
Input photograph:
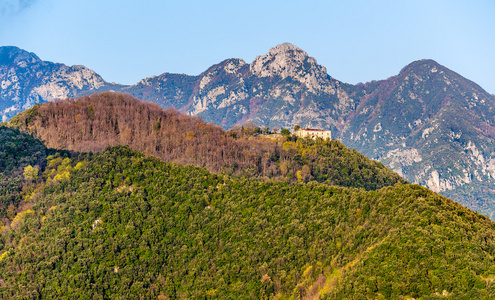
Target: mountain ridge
(27, 80)
(402, 121)
(7, 53)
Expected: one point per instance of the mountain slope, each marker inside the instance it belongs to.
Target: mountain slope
(433, 127)
(95, 122)
(22, 158)
(122, 225)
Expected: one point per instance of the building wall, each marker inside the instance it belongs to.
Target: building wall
(314, 133)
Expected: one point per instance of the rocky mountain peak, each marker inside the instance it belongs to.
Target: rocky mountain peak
(228, 66)
(10, 55)
(440, 77)
(287, 60)
(287, 48)
(422, 66)
(26, 80)
(283, 60)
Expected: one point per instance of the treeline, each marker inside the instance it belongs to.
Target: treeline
(120, 225)
(92, 123)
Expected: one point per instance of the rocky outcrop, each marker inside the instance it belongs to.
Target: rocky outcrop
(287, 60)
(67, 81)
(26, 80)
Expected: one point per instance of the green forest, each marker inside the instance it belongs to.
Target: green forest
(117, 223)
(17, 151)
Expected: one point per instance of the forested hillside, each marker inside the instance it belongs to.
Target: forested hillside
(120, 225)
(22, 158)
(95, 122)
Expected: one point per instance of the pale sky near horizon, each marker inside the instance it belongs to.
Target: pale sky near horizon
(357, 41)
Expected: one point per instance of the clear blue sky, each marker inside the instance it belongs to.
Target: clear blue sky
(358, 41)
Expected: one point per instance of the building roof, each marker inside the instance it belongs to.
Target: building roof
(310, 129)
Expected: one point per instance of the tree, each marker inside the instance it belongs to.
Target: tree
(306, 173)
(297, 127)
(31, 173)
(249, 127)
(285, 132)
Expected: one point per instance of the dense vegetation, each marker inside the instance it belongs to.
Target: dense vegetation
(92, 123)
(119, 225)
(20, 153)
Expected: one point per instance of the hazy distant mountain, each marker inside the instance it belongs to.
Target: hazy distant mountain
(428, 123)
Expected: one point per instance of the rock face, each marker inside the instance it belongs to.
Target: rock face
(26, 80)
(427, 123)
(287, 60)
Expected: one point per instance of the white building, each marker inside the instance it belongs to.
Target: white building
(314, 133)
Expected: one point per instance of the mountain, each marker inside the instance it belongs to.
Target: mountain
(427, 123)
(269, 91)
(433, 127)
(26, 80)
(120, 224)
(286, 86)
